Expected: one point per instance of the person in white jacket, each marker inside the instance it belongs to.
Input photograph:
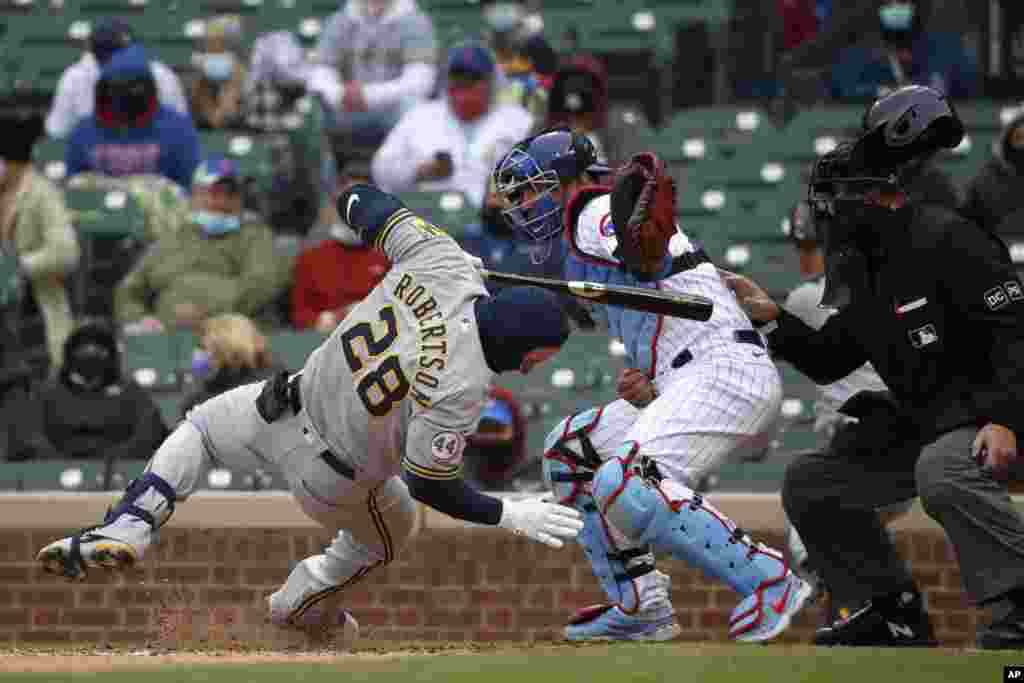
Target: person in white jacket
(374, 60)
(75, 95)
(452, 143)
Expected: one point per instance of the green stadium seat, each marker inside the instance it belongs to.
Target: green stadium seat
(292, 348)
(254, 157)
(450, 211)
(162, 358)
(594, 375)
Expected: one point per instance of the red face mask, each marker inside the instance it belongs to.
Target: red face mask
(469, 102)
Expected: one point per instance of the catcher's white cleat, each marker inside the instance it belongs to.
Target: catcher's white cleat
(73, 556)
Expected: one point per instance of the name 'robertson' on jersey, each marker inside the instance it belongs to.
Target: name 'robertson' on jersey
(433, 339)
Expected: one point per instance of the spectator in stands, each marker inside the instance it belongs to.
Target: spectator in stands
(506, 36)
(130, 132)
(496, 451)
(579, 99)
(90, 410)
(336, 270)
(376, 59)
(232, 352)
(277, 76)
(902, 53)
(543, 59)
(997, 191)
(36, 226)
(452, 143)
(220, 260)
(799, 21)
(75, 95)
(215, 92)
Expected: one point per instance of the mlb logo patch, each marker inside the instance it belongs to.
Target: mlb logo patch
(996, 298)
(1014, 290)
(923, 336)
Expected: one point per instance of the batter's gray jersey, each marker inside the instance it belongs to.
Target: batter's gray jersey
(402, 380)
(803, 303)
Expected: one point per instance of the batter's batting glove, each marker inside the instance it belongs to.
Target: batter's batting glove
(540, 520)
(643, 213)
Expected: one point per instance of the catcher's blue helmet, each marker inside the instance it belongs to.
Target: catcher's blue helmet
(542, 163)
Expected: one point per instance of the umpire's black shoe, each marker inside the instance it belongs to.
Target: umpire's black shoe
(1004, 634)
(882, 623)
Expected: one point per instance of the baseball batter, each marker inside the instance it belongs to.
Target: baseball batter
(378, 417)
(694, 393)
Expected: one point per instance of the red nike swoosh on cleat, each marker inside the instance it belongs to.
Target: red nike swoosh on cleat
(780, 606)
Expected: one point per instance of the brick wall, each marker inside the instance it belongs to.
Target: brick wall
(450, 583)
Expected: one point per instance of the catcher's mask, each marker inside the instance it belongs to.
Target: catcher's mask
(529, 175)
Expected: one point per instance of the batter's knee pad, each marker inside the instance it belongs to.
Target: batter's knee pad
(569, 462)
(146, 487)
(661, 513)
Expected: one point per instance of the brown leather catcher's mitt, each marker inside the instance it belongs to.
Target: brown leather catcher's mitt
(643, 212)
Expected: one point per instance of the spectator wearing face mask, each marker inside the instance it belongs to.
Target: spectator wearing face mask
(904, 53)
(215, 92)
(452, 143)
(232, 352)
(130, 132)
(75, 96)
(90, 410)
(997, 192)
(220, 260)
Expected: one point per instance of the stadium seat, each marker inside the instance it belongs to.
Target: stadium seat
(292, 348)
(450, 211)
(254, 155)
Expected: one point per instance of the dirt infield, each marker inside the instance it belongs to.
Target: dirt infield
(91, 659)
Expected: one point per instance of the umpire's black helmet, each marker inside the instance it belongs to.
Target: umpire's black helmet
(900, 128)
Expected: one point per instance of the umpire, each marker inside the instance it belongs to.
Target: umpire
(935, 304)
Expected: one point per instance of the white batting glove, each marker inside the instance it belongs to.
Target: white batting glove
(541, 521)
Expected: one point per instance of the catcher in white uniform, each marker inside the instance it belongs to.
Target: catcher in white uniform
(695, 392)
(378, 417)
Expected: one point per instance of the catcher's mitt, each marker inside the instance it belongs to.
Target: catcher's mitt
(643, 212)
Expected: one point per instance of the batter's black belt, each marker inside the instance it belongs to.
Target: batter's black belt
(742, 336)
(340, 467)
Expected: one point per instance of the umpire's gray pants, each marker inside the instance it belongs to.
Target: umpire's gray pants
(373, 519)
(832, 499)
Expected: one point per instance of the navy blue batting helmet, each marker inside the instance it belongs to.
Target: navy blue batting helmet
(534, 169)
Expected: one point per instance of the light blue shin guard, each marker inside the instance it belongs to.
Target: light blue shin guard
(672, 518)
(569, 464)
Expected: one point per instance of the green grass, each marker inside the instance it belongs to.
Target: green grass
(678, 663)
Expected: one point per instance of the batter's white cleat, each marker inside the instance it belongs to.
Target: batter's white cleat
(323, 623)
(73, 556)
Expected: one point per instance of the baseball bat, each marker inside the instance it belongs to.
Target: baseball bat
(672, 304)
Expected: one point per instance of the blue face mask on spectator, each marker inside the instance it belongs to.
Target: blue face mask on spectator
(219, 66)
(214, 223)
(897, 17)
(201, 364)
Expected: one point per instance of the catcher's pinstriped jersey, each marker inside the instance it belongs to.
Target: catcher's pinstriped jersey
(402, 380)
(652, 342)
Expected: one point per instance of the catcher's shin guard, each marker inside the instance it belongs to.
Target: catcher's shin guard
(672, 518)
(569, 463)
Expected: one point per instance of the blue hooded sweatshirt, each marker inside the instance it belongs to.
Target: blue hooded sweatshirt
(168, 145)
